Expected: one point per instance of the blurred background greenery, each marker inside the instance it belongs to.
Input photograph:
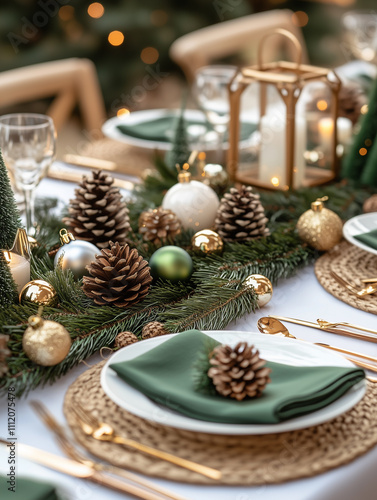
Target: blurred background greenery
(122, 37)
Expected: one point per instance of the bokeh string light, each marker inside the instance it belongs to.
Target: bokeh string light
(115, 38)
(96, 10)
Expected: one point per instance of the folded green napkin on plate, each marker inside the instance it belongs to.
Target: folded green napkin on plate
(27, 489)
(369, 239)
(165, 374)
(162, 129)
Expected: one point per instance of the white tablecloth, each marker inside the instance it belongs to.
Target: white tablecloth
(300, 297)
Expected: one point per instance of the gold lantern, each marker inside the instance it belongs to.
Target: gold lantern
(290, 146)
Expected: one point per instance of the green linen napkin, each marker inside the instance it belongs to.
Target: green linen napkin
(162, 129)
(369, 238)
(27, 489)
(165, 374)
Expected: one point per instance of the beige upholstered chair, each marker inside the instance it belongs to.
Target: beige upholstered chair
(70, 82)
(228, 38)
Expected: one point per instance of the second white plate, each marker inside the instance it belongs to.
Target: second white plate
(281, 350)
(358, 225)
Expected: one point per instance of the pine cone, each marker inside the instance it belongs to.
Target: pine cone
(350, 101)
(4, 353)
(158, 225)
(238, 372)
(240, 216)
(370, 204)
(125, 338)
(153, 329)
(98, 214)
(121, 277)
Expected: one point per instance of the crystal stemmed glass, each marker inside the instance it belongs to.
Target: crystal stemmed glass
(211, 92)
(28, 144)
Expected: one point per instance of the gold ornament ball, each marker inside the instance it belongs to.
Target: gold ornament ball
(207, 242)
(39, 292)
(46, 343)
(320, 227)
(262, 287)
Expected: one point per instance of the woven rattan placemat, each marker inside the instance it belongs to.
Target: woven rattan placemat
(352, 264)
(243, 460)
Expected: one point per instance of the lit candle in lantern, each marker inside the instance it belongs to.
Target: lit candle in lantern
(326, 131)
(19, 267)
(272, 168)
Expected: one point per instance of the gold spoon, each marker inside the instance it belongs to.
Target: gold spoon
(272, 326)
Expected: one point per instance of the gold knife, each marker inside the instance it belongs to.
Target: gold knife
(346, 333)
(76, 469)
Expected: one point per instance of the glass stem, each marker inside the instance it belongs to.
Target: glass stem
(29, 211)
(220, 145)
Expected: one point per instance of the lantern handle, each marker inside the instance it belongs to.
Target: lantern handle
(287, 34)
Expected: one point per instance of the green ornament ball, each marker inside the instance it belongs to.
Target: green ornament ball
(171, 263)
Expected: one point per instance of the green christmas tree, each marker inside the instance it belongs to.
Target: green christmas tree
(358, 164)
(180, 152)
(9, 223)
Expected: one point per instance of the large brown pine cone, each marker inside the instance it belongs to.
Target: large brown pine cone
(159, 225)
(97, 213)
(238, 372)
(120, 277)
(4, 353)
(240, 216)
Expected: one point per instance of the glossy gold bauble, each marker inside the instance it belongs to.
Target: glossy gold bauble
(39, 292)
(262, 287)
(216, 177)
(320, 227)
(207, 242)
(46, 343)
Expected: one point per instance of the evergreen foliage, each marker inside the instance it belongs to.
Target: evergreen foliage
(9, 223)
(361, 167)
(213, 297)
(180, 151)
(9, 216)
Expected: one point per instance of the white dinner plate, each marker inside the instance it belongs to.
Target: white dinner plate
(358, 225)
(110, 129)
(281, 350)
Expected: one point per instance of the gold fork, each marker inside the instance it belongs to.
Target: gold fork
(70, 449)
(368, 290)
(104, 432)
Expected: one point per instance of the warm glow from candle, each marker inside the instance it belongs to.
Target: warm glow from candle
(326, 127)
(149, 55)
(116, 38)
(123, 112)
(275, 181)
(7, 256)
(322, 105)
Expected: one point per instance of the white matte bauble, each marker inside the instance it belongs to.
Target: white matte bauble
(194, 203)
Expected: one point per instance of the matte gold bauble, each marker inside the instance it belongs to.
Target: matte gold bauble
(262, 287)
(46, 343)
(207, 242)
(39, 292)
(320, 227)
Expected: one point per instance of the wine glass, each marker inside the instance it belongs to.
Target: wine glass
(27, 141)
(211, 93)
(361, 33)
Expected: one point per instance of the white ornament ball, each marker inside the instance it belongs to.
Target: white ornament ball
(194, 203)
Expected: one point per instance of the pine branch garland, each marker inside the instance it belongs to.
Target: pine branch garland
(212, 298)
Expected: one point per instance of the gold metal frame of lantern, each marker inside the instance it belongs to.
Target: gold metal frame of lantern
(289, 78)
